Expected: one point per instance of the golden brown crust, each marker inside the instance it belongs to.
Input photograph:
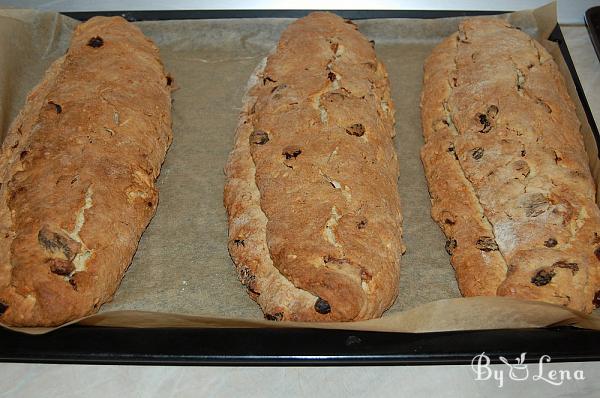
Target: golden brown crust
(507, 169)
(312, 181)
(77, 170)
(276, 295)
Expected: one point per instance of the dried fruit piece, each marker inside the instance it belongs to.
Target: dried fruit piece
(486, 244)
(291, 153)
(259, 137)
(361, 224)
(3, 308)
(239, 242)
(57, 107)
(53, 241)
(542, 277)
(450, 245)
(484, 119)
(550, 242)
(487, 126)
(477, 153)
(96, 42)
(331, 76)
(61, 267)
(356, 129)
(277, 316)
(595, 301)
(322, 306)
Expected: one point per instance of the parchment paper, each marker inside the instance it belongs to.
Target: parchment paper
(182, 268)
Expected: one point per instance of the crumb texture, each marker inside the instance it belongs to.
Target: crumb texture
(312, 194)
(77, 172)
(507, 169)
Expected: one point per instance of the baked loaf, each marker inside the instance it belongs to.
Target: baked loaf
(508, 173)
(77, 170)
(311, 193)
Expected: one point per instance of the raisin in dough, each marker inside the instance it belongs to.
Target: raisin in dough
(508, 173)
(77, 170)
(311, 193)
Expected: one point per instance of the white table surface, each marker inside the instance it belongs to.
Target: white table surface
(36, 380)
(63, 381)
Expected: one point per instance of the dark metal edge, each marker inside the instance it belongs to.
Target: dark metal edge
(298, 347)
(557, 36)
(158, 15)
(590, 15)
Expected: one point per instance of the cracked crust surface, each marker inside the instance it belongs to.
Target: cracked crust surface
(77, 170)
(311, 193)
(507, 169)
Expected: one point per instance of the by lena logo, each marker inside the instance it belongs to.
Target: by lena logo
(519, 370)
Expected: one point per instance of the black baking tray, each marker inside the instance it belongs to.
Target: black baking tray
(276, 346)
(592, 21)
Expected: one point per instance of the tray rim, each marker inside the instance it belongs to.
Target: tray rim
(158, 15)
(595, 39)
(294, 347)
(78, 344)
